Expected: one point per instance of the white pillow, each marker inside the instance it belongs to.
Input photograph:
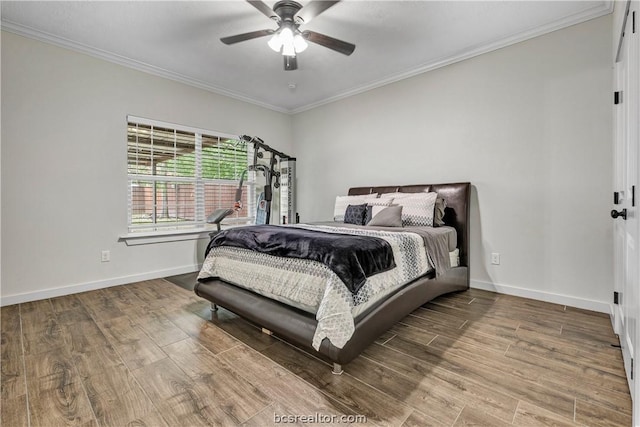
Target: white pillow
(379, 201)
(342, 202)
(399, 195)
(417, 209)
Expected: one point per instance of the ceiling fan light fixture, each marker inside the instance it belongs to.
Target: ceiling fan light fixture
(286, 37)
(299, 43)
(288, 49)
(275, 42)
(284, 41)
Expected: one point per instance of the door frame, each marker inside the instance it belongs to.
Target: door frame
(631, 97)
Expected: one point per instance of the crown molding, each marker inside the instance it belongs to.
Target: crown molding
(45, 37)
(567, 21)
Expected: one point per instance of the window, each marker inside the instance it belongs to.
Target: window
(178, 175)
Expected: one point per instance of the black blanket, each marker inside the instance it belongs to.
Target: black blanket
(352, 258)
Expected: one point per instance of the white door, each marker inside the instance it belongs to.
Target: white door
(626, 211)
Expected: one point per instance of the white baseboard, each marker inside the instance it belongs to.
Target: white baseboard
(599, 306)
(91, 286)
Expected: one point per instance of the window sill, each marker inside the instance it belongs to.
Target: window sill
(143, 237)
(163, 236)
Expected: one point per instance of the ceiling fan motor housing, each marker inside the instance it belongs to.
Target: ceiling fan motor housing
(286, 9)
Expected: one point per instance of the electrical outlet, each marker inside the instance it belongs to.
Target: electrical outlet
(495, 258)
(106, 256)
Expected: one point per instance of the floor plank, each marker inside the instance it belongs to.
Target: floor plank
(157, 326)
(14, 412)
(418, 419)
(116, 397)
(100, 305)
(179, 399)
(10, 342)
(293, 396)
(239, 397)
(55, 392)
(533, 416)
(379, 408)
(476, 394)
(204, 332)
(472, 417)
(130, 341)
(501, 381)
(252, 365)
(444, 406)
(12, 380)
(596, 415)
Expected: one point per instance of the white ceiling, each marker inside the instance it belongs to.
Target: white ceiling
(394, 39)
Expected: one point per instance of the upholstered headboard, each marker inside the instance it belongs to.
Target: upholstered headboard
(456, 214)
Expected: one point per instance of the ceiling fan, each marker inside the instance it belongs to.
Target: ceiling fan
(288, 39)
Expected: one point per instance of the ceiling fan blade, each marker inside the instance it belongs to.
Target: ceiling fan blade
(246, 36)
(290, 63)
(315, 8)
(329, 42)
(262, 7)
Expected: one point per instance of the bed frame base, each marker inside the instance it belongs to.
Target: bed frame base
(298, 327)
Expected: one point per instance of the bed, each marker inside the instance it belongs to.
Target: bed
(299, 326)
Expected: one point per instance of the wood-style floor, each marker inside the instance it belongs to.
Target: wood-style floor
(148, 354)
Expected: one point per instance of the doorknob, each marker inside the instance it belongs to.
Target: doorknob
(615, 214)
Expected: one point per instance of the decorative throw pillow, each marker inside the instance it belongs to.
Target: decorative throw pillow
(355, 214)
(373, 210)
(390, 216)
(343, 201)
(417, 209)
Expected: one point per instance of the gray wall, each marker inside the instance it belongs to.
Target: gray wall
(529, 126)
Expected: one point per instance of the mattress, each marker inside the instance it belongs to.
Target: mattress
(312, 287)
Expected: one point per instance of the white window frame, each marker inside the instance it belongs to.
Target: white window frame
(156, 233)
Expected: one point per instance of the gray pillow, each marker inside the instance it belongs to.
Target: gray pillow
(388, 217)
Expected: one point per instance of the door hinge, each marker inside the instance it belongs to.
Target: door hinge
(633, 195)
(632, 368)
(616, 297)
(633, 22)
(617, 97)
